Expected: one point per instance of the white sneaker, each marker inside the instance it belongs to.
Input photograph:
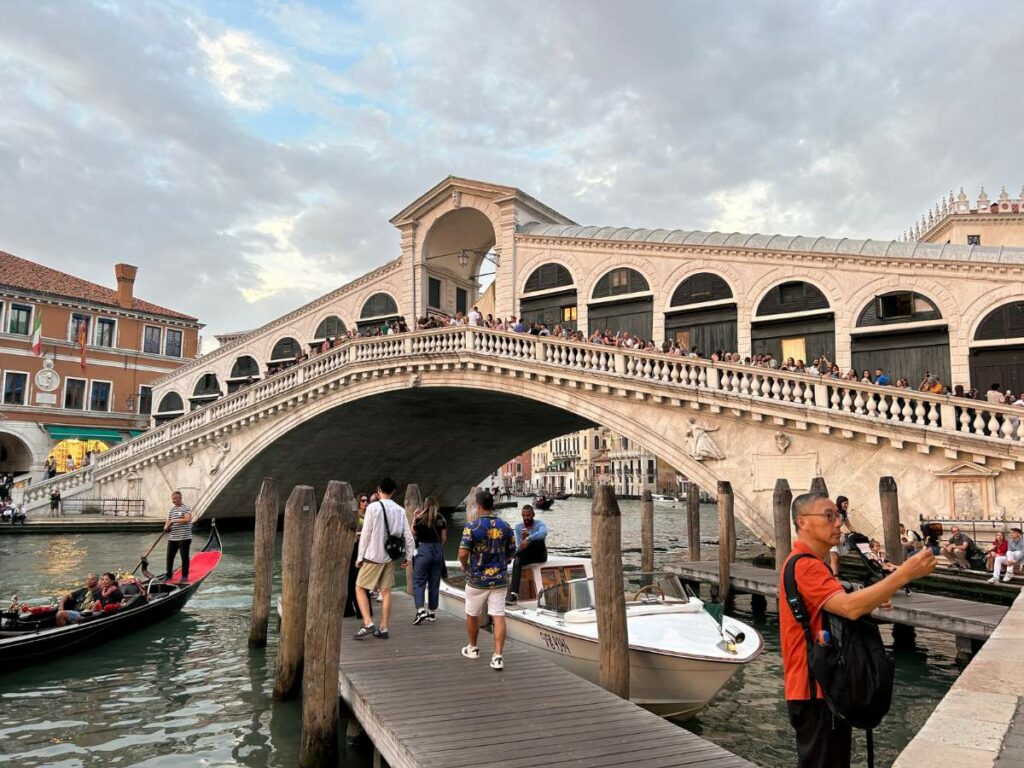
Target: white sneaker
(1008, 578)
(497, 662)
(993, 580)
(471, 652)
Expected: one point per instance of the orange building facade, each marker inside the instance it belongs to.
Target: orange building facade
(76, 363)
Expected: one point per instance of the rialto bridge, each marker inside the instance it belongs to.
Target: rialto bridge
(444, 407)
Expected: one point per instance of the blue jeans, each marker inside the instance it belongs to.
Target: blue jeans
(426, 570)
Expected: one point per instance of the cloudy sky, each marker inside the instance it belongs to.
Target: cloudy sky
(248, 155)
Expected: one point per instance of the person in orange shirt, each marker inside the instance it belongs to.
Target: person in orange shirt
(823, 740)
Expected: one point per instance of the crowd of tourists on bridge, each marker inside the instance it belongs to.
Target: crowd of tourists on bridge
(819, 366)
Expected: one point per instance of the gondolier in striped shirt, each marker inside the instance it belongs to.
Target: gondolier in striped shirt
(179, 523)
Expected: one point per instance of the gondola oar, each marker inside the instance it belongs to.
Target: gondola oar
(146, 556)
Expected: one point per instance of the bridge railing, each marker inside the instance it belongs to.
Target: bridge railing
(977, 418)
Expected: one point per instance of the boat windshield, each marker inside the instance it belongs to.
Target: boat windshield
(640, 588)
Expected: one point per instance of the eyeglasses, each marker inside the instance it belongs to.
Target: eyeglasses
(830, 516)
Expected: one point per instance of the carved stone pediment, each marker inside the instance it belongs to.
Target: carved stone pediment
(970, 492)
(966, 469)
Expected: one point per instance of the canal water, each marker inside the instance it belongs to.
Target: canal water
(189, 693)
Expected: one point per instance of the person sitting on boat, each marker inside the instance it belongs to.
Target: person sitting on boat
(110, 592)
(71, 607)
(531, 547)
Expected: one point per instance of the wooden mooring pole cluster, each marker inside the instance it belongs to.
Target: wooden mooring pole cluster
(315, 558)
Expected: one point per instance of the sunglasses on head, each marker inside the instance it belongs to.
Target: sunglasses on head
(363, 499)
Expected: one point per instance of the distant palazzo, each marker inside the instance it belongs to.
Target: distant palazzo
(908, 306)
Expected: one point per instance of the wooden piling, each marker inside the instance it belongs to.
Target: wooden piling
(782, 500)
(647, 532)
(726, 537)
(412, 501)
(888, 495)
(693, 520)
(612, 637)
(333, 537)
(299, 516)
(471, 507)
(818, 486)
(267, 505)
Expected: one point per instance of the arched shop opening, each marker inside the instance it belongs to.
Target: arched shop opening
(15, 455)
(549, 297)
(76, 448)
(331, 327)
(171, 407)
(285, 352)
(997, 350)
(795, 320)
(245, 371)
(622, 301)
(904, 334)
(378, 310)
(701, 315)
(206, 390)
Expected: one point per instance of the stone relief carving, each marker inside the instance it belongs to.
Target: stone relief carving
(702, 445)
(222, 452)
(456, 199)
(782, 441)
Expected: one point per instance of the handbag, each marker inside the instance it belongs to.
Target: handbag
(394, 546)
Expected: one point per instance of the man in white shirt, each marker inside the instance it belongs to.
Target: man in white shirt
(376, 568)
(475, 317)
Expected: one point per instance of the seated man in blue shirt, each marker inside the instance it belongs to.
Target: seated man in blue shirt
(530, 548)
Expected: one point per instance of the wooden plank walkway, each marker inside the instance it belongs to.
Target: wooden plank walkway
(423, 705)
(963, 618)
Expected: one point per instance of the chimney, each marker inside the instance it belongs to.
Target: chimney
(125, 274)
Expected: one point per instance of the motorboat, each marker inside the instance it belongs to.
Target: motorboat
(29, 634)
(680, 655)
(661, 498)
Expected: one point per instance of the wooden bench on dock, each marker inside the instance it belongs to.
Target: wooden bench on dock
(966, 619)
(423, 704)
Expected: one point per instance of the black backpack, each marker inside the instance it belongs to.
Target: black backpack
(394, 545)
(854, 671)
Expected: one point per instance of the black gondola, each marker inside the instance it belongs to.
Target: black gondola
(31, 638)
(543, 503)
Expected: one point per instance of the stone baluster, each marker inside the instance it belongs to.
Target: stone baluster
(894, 409)
(858, 403)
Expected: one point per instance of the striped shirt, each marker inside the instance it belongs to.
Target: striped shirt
(180, 531)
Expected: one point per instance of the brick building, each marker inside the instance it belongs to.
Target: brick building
(76, 363)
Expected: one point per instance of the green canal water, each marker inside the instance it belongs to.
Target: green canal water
(188, 692)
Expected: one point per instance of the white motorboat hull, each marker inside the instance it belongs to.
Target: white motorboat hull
(670, 685)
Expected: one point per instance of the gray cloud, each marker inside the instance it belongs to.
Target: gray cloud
(124, 132)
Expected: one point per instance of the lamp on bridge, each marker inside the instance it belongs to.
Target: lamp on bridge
(462, 256)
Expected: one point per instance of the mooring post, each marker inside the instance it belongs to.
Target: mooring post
(903, 637)
(693, 520)
(412, 502)
(782, 500)
(818, 486)
(333, 536)
(267, 504)
(471, 508)
(647, 532)
(612, 637)
(299, 516)
(726, 538)
(889, 497)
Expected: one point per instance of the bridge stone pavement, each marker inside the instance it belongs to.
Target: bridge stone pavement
(443, 407)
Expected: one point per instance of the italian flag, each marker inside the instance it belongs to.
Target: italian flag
(37, 334)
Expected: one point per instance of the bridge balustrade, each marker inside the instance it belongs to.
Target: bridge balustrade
(943, 413)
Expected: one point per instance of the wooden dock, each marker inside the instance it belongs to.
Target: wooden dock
(963, 618)
(423, 704)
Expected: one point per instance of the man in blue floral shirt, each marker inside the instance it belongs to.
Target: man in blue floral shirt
(487, 545)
